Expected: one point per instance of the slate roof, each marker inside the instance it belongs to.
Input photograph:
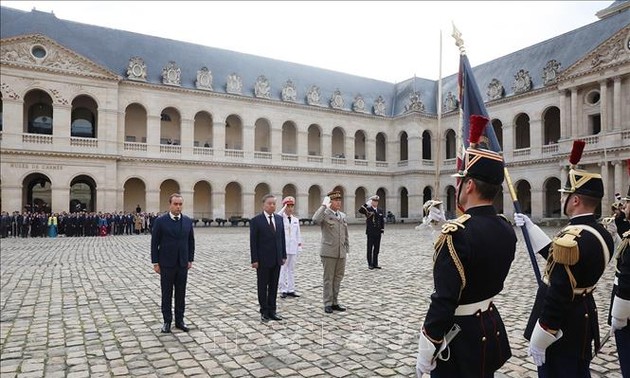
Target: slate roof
(113, 48)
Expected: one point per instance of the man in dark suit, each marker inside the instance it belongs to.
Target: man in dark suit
(268, 253)
(172, 254)
(374, 228)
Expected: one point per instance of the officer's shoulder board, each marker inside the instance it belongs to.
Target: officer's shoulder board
(565, 246)
(502, 216)
(455, 224)
(626, 235)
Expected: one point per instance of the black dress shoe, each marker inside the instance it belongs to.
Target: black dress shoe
(264, 318)
(370, 267)
(292, 294)
(275, 317)
(182, 326)
(377, 267)
(283, 295)
(328, 309)
(338, 308)
(166, 328)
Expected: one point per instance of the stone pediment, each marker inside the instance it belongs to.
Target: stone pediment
(613, 52)
(36, 51)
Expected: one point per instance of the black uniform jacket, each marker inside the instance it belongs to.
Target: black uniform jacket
(375, 220)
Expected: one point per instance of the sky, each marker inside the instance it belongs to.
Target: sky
(384, 40)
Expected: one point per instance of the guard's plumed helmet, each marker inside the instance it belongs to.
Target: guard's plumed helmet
(580, 181)
(479, 163)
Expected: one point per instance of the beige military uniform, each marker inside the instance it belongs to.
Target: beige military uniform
(334, 248)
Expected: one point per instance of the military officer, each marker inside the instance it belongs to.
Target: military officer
(293, 237)
(374, 228)
(563, 322)
(334, 248)
(620, 307)
(472, 258)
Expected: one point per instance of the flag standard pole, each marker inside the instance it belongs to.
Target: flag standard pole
(439, 128)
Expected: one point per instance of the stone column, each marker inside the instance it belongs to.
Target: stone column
(61, 126)
(415, 202)
(108, 132)
(153, 200)
(301, 204)
(326, 145)
(302, 147)
(564, 173)
(617, 178)
(347, 205)
(153, 136)
(535, 137)
(218, 140)
(537, 203)
(218, 204)
(189, 202)
(617, 103)
(249, 207)
(370, 149)
(564, 115)
(187, 137)
(13, 124)
(248, 141)
(575, 129)
(11, 196)
(508, 141)
(606, 199)
(60, 198)
(276, 143)
(603, 106)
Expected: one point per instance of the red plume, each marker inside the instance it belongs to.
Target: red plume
(628, 166)
(477, 126)
(576, 152)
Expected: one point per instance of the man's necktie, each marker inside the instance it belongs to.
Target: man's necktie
(176, 219)
(273, 228)
(289, 219)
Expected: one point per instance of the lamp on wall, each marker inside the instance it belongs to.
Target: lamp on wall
(227, 124)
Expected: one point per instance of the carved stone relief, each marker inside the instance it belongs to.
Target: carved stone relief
(8, 92)
(313, 96)
(359, 104)
(495, 90)
(57, 98)
(262, 88)
(379, 106)
(204, 79)
(171, 74)
(136, 69)
(336, 101)
(234, 84)
(611, 54)
(522, 82)
(450, 102)
(289, 93)
(414, 105)
(550, 72)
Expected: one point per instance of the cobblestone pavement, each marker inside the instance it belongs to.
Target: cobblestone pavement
(81, 307)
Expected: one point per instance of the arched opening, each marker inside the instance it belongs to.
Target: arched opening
(261, 190)
(427, 194)
(551, 125)
(450, 150)
(315, 198)
(522, 131)
(84, 117)
(524, 196)
(314, 140)
(451, 202)
(134, 193)
(404, 203)
(426, 145)
(338, 147)
(233, 200)
(359, 145)
(202, 200)
(381, 147)
(170, 127)
(552, 206)
(233, 133)
(360, 197)
(38, 113)
(497, 126)
(404, 147)
(37, 193)
(82, 194)
(203, 130)
(289, 138)
(167, 188)
(382, 202)
(135, 123)
(262, 135)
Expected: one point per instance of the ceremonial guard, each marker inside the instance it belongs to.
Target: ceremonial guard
(472, 258)
(293, 237)
(563, 325)
(374, 228)
(620, 306)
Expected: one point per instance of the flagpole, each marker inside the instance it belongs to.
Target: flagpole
(436, 194)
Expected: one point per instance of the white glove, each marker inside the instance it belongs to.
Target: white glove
(368, 203)
(618, 324)
(539, 343)
(435, 214)
(425, 362)
(326, 201)
(282, 210)
(537, 236)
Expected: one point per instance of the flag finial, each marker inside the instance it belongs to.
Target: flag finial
(459, 41)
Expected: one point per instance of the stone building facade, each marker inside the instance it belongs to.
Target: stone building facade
(105, 120)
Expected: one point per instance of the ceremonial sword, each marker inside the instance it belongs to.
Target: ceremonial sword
(450, 335)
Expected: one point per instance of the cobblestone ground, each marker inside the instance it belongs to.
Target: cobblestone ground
(81, 307)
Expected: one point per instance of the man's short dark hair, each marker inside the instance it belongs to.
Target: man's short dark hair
(588, 201)
(486, 191)
(174, 195)
(266, 196)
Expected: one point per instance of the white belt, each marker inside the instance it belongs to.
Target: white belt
(472, 308)
(616, 281)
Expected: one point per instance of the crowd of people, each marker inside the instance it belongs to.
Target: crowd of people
(40, 224)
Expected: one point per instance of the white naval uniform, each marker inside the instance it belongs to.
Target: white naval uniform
(293, 238)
